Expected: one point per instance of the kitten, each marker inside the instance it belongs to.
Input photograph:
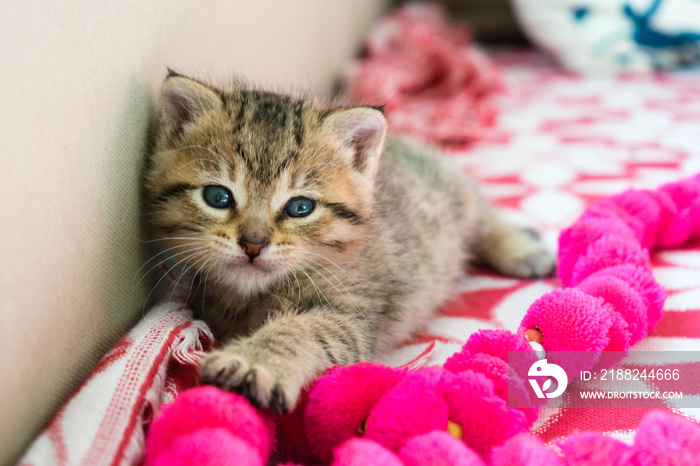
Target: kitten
(315, 239)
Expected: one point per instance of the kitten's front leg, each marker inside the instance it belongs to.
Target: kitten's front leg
(271, 367)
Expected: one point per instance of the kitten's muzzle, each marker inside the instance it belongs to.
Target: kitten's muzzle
(253, 246)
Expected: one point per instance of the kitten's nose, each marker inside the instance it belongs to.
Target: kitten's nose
(253, 246)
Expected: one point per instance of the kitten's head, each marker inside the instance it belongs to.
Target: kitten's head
(248, 186)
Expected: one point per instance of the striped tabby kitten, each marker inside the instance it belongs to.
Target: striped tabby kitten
(316, 239)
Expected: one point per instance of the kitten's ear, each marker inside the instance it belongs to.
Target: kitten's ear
(184, 100)
(362, 132)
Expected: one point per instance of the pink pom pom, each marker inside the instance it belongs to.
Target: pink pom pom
(594, 449)
(624, 299)
(643, 282)
(524, 450)
(493, 369)
(412, 407)
(574, 241)
(361, 452)
(676, 223)
(618, 334)
(341, 401)
(644, 206)
(694, 212)
(607, 208)
(608, 252)
(292, 441)
(686, 195)
(664, 438)
(571, 320)
(695, 208)
(493, 342)
(496, 370)
(497, 343)
(208, 447)
(438, 448)
(488, 421)
(209, 408)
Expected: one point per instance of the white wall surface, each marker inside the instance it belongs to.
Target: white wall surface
(76, 79)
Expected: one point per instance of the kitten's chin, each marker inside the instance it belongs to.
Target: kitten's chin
(247, 278)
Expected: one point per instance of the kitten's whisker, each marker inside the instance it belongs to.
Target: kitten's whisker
(296, 278)
(318, 290)
(172, 256)
(291, 285)
(353, 282)
(161, 279)
(336, 277)
(160, 254)
(340, 281)
(185, 270)
(347, 292)
(199, 270)
(287, 285)
(206, 280)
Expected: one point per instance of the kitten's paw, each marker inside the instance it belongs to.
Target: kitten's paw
(525, 256)
(261, 385)
(539, 263)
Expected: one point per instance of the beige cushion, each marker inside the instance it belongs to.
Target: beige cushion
(75, 89)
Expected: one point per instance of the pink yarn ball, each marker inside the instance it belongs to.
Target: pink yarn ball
(618, 333)
(664, 438)
(676, 223)
(594, 449)
(571, 320)
(493, 369)
(686, 196)
(497, 371)
(498, 343)
(493, 342)
(624, 299)
(438, 448)
(574, 241)
(642, 281)
(524, 450)
(209, 408)
(485, 418)
(208, 447)
(292, 441)
(342, 400)
(644, 206)
(361, 452)
(695, 209)
(412, 407)
(608, 252)
(607, 208)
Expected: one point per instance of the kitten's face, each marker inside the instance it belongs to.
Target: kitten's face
(248, 187)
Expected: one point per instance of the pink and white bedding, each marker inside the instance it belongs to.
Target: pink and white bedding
(560, 142)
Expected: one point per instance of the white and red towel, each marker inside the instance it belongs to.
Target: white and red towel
(105, 421)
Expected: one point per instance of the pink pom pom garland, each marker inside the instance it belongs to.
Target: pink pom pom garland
(396, 416)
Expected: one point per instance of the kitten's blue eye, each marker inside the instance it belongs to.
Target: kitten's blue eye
(299, 207)
(218, 196)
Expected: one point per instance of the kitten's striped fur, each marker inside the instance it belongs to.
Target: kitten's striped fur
(391, 232)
